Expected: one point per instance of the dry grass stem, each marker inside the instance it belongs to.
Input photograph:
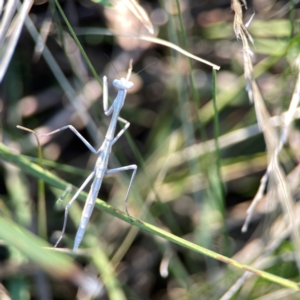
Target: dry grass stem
(10, 37)
(140, 13)
(279, 232)
(274, 172)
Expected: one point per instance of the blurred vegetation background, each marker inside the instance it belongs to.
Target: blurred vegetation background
(195, 136)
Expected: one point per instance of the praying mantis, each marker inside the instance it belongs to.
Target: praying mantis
(101, 166)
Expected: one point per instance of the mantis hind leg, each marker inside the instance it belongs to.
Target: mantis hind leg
(121, 169)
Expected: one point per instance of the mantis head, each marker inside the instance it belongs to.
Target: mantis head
(123, 84)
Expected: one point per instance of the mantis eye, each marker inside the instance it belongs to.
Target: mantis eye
(116, 82)
(130, 85)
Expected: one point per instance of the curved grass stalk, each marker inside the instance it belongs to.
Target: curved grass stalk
(42, 215)
(137, 36)
(101, 31)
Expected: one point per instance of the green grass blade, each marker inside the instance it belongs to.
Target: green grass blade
(56, 264)
(50, 178)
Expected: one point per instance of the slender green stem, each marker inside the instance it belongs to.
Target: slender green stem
(78, 43)
(292, 17)
(192, 80)
(216, 122)
(41, 206)
(220, 196)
